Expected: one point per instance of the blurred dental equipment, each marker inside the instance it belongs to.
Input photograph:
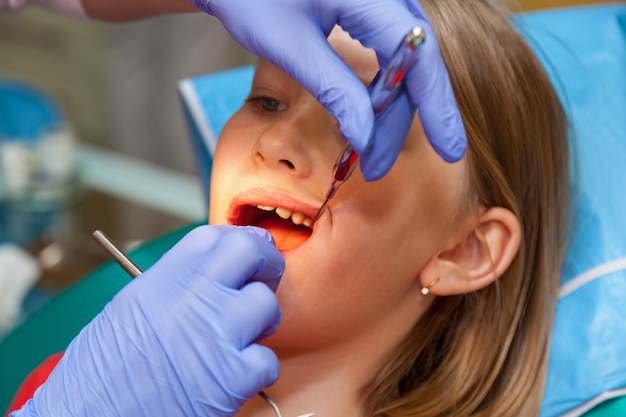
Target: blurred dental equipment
(38, 170)
(383, 90)
(134, 271)
(19, 271)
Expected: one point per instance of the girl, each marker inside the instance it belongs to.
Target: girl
(429, 292)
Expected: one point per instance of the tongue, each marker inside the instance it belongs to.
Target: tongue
(286, 234)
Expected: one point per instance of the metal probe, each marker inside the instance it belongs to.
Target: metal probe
(134, 271)
(116, 253)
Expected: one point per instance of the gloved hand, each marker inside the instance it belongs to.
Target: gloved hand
(179, 339)
(292, 35)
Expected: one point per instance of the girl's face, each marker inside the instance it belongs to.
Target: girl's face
(356, 269)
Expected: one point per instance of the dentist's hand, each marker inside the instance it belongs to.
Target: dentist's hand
(292, 35)
(180, 338)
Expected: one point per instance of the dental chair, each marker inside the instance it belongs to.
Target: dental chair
(584, 51)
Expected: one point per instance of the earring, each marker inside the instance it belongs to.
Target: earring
(426, 290)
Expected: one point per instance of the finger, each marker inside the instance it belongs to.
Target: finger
(199, 241)
(434, 100)
(379, 25)
(427, 79)
(239, 257)
(185, 254)
(203, 238)
(327, 77)
(391, 129)
(261, 260)
(260, 368)
(258, 231)
(253, 312)
(431, 93)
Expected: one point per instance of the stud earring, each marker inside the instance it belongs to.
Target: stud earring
(426, 290)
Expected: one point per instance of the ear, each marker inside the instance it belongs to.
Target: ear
(478, 258)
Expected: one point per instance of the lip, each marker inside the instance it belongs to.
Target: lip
(269, 197)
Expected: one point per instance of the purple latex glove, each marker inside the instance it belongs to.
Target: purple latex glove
(292, 35)
(179, 339)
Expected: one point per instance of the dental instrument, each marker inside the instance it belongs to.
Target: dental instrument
(383, 90)
(116, 253)
(134, 271)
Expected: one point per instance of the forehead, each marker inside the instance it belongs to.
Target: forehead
(360, 59)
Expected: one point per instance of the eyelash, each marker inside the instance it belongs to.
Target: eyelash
(263, 104)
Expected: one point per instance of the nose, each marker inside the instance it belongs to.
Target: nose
(295, 141)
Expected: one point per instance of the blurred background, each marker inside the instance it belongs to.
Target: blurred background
(113, 88)
(112, 91)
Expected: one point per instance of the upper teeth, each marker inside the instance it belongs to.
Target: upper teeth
(285, 213)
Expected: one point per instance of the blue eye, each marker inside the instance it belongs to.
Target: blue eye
(268, 104)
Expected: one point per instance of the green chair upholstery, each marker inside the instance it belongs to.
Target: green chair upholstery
(615, 407)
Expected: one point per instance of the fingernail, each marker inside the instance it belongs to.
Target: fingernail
(258, 231)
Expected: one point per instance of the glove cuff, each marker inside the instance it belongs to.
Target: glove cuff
(204, 5)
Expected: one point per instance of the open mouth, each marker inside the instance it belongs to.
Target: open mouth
(290, 229)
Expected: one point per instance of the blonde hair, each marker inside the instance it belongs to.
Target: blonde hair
(485, 353)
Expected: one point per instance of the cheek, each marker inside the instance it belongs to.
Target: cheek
(379, 242)
(335, 293)
(386, 229)
(368, 258)
(388, 253)
(231, 154)
(233, 141)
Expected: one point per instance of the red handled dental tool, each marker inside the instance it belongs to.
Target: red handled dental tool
(383, 90)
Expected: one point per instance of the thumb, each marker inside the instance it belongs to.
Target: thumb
(391, 130)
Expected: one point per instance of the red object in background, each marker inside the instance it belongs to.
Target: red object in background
(33, 381)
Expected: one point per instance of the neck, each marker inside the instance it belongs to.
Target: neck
(321, 382)
(327, 380)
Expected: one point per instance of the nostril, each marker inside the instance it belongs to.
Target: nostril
(287, 162)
